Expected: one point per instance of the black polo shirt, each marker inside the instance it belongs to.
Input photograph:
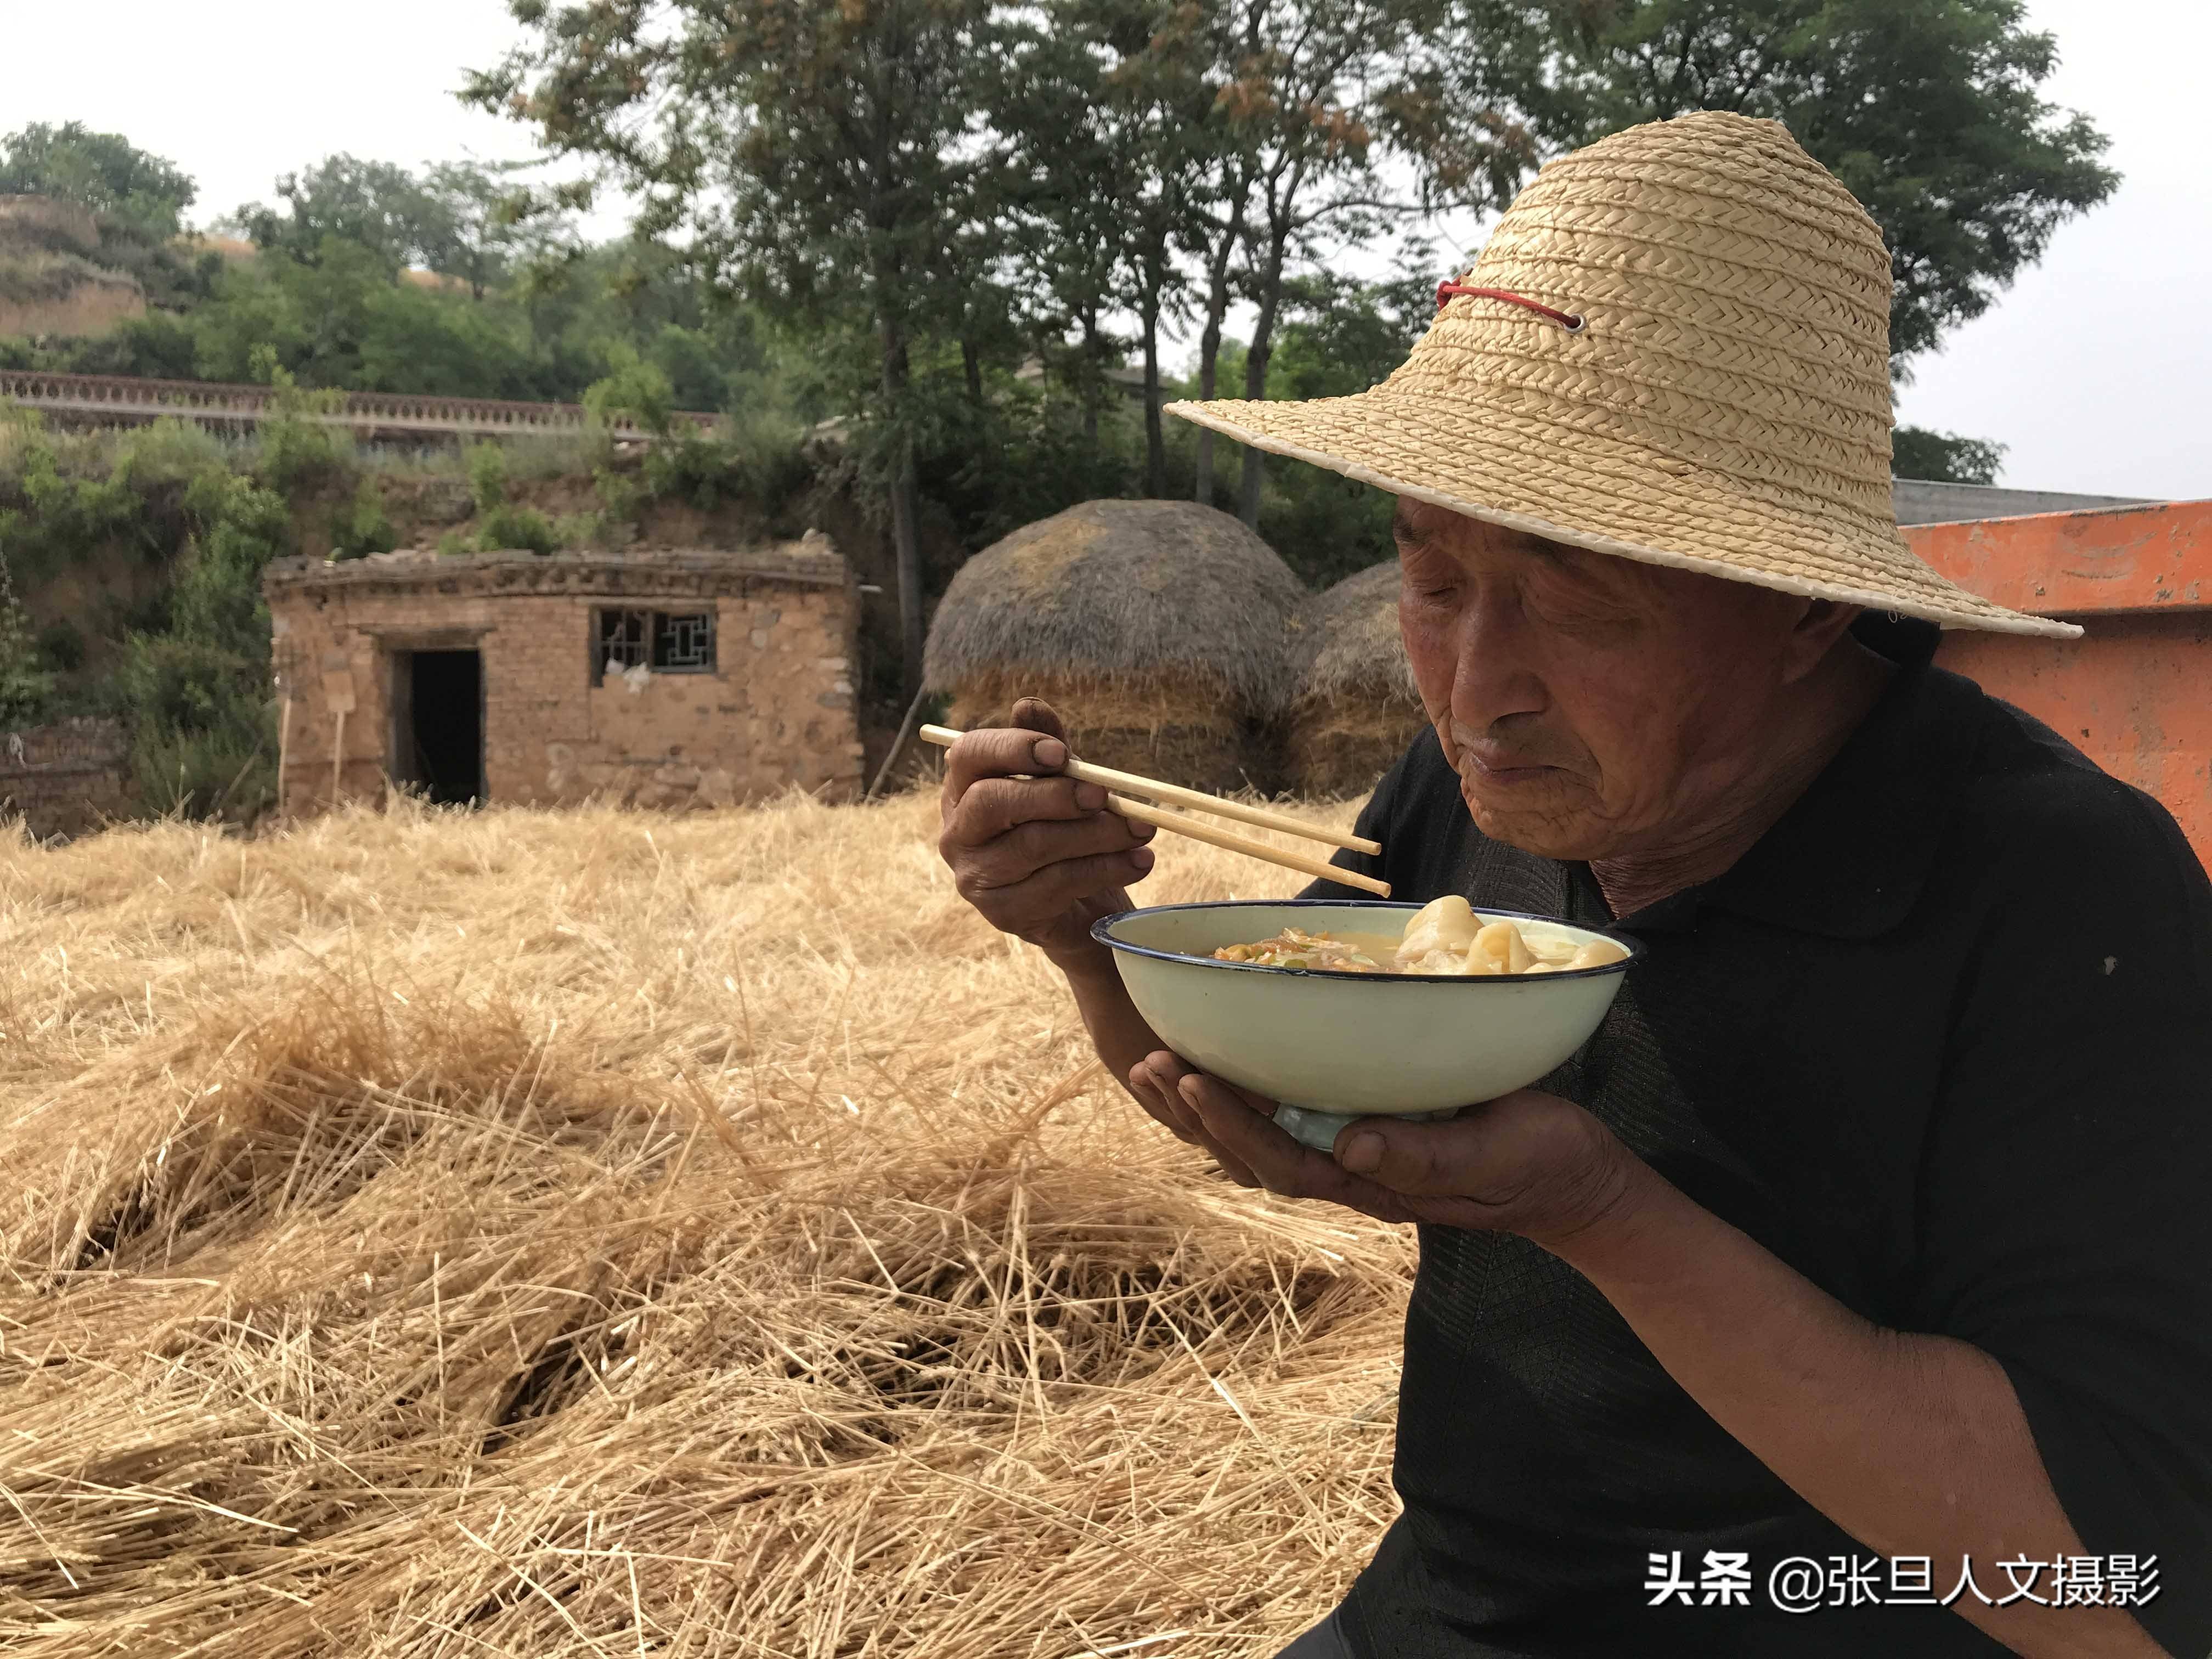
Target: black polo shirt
(1943, 1042)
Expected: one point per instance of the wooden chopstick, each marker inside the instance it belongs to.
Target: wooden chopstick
(1139, 813)
(1129, 783)
(1301, 862)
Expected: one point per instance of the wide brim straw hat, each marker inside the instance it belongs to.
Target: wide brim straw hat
(1674, 348)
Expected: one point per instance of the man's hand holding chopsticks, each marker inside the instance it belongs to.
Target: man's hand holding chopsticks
(1040, 856)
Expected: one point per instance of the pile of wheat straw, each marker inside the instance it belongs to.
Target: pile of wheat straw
(530, 1233)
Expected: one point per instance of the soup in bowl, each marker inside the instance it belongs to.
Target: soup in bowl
(1340, 1009)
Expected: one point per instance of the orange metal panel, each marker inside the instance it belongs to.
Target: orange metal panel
(2135, 693)
(2079, 564)
(2130, 694)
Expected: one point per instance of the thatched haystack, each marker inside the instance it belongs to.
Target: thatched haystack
(1155, 627)
(1351, 706)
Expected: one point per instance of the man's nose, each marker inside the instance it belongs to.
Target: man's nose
(1494, 674)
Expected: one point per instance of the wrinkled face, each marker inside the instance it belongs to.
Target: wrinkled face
(1595, 708)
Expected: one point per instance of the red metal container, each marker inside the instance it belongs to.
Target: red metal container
(2135, 692)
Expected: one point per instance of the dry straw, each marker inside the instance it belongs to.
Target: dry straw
(1721, 404)
(596, 1233)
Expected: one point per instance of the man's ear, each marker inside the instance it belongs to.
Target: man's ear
(1815, 634)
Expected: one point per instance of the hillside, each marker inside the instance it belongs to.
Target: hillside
(595, 1233)
(52, 280)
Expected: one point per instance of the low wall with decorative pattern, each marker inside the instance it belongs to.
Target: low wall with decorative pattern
(126, 400)
(66, 778)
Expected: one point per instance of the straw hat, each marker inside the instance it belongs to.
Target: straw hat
(1680, 355)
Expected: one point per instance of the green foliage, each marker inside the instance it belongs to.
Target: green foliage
(54, 518)
(40, 278)
(217, 593)
(168, 454)
(487, 468)
(589, 529)
(637, 389)
(61, 646)
(102, 171)
(197, 694)
(1341, 336)
(361, 526)
(757, 461)
(479, 222)
(1944, 456)
(452, 544)
(227, 771)
(508, 527)
(1929, 110)
(177, 686)
(623, 495)
(299, 449)
(27, 685)
(370, 205)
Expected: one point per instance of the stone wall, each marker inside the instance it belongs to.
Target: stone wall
(776, 710)
(67, 778)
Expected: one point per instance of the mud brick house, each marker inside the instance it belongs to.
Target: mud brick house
(654, 679)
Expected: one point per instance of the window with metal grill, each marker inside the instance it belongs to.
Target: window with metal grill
(665, 641)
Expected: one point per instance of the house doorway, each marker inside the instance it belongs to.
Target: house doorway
(437, 724)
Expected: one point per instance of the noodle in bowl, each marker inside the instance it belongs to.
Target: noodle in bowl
(1332, 1045)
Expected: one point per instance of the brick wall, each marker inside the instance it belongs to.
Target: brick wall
(64, 779)
(777, 709)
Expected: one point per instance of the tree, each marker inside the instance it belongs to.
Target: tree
(1929, 110)
(1943, 457)
(1122, 98)
(1319, 92)
(1226, 195)
(479, 222)
(103, 171)
(1306, 79)
(1340, 336)
(372, 205)
(1069, 243)
(817, 152)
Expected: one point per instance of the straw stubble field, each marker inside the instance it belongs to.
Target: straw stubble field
(535, 1233)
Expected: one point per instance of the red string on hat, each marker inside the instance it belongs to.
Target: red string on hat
(1447, 291)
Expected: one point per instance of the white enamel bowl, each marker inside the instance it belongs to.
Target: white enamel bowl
(1336, 1046)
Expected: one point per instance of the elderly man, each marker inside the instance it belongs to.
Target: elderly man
(1861, 1263)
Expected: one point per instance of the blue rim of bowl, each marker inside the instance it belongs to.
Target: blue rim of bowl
(1099, 931)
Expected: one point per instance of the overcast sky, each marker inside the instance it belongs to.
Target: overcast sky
(2093, 369)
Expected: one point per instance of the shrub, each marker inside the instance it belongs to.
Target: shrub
(511, 527)
(623, 497)
(26, 687)
(452, 544)
(228, 774)
(298, 449)
(637, 388)
(487, 467)
(61, 646)
(589, 529)
(217, 595)
(169, 451)
(176, 685)
(61, 517)
(362, 526)
(758, 457)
